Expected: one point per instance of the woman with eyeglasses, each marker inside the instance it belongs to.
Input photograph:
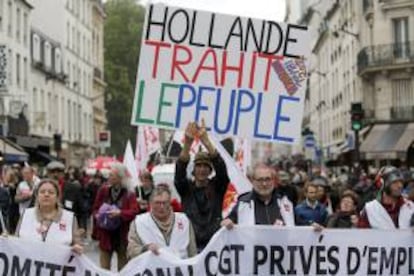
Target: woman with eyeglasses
(47, 221)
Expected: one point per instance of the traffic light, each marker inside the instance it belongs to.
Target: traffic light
(357, 116)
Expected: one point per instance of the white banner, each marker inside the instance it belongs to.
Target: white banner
(256, 250)
(246, 77)
(265, 250)
(30, 258)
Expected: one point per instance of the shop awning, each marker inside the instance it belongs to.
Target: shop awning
(388, 141)
(406, 139)
(12, 152)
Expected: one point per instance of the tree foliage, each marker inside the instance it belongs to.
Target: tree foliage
(122, 37)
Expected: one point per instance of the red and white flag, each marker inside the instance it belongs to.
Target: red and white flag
(179, 137)
(242, 153)
(148, 142)
(239, 184)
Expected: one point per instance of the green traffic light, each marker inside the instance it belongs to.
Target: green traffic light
(356, 125)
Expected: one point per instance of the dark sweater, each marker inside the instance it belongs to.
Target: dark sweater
(202, 205)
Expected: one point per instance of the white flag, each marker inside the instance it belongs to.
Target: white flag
(239, 183)
(129, 163)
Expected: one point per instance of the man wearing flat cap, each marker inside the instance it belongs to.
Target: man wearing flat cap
(201, 197)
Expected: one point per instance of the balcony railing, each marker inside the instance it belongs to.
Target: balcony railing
(402, 113)
(385, 55)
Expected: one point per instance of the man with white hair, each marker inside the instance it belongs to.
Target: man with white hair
(263, 205)
(114, 208)
(161, 228)
(25, 189)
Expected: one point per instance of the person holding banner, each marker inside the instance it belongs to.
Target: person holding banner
(47, 221)
(346, 216)
(161, 228)
(311, 212)
(143, 192)
(263, 205)
(114, 209)
(390, 210)
(202, 197)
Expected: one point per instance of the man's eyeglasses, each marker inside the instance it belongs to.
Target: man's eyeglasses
(161, 203)
(263, 179)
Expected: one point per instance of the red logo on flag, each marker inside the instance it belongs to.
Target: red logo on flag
(180, 225)
(62, 226)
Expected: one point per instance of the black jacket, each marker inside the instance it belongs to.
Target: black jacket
(339, 220)
(72, 200)
(265, 214)
(5, 202)
(203, 206)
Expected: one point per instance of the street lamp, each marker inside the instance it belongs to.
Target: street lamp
(342, 29)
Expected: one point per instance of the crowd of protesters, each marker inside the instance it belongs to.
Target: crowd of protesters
(130, 221)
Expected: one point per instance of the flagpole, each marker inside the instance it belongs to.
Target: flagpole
(170, 145)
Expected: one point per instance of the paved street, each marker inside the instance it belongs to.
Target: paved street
(92, 252)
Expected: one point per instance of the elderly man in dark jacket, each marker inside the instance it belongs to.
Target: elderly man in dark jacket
(201, 197)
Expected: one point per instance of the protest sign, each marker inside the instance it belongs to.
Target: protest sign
(246, 77)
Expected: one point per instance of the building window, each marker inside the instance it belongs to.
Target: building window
(25, 28)
(69, 114)
(68, 35)
(56, 114)
(34, 108)
(47, 54)
(18, 24)
(62, 114)
(34, 100)
(402, 93)
(42, 101)
(73, 38)
(25, 70)
(79, 81)
(36, 48)
(57, 61)
(85, 84)
(10, 15)
(84, 47)
(11, 67)
(74, 80)
(401, 39)
(68, 80)
(1, 15)
(78, 42)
